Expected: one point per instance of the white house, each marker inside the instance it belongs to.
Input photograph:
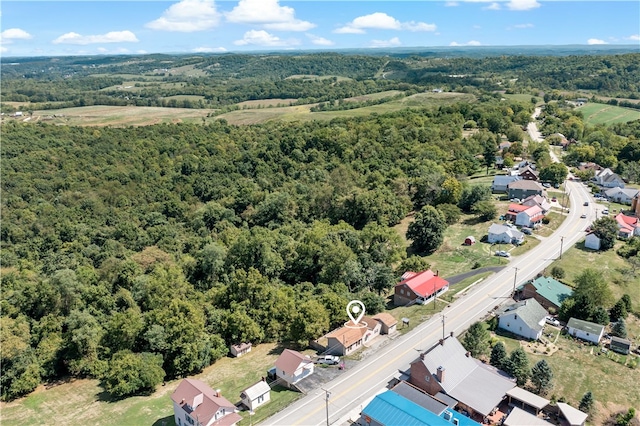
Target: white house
(256, 395)
(537, 200)
(504, 234)
(195, 403)
(585, 330)
(608, 179)
(525, 318)
(530, 217)
(628, 226)
(621, 195)
(292, 366)
(500, 183)
(591, 241)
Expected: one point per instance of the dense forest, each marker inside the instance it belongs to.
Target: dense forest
(139, 253)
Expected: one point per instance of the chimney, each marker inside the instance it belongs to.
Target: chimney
(217, 393)
(422, 356)
(441, 341)
(452, 334)
(437, 272)
(440, 374)
(182, 403)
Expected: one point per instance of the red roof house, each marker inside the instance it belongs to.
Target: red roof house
(419, 287)
(194, 402)
(513, 211)
(628, 226)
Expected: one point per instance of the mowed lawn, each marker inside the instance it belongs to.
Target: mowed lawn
(607, 114)
(83, 402)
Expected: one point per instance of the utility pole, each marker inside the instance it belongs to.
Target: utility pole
(515, 278)
(327, 395)
(443, 327)
(561, 243)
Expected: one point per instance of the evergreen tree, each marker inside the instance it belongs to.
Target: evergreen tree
(586, 403)
(627, 302)
(618, 311)
(519, 366)
(619, 329)
(541, 376)
(476, 339)
(498, 356)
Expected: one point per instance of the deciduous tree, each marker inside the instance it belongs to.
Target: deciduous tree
(427, 230)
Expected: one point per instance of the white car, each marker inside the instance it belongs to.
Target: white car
(328, 359)
(502, 253)
(552, 321)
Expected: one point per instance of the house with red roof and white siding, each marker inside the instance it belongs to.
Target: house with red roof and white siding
(195, 403)
(419, 287)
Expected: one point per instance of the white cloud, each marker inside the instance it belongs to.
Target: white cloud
(477, 27)
(395, 41)
(451, 4)
(319, 41)
(382, 21)
(3, 49)
(493, 6)
(209, 49)
(520, 26)
(14, 34)
(141, 52)
(187, 16)
(596, 41)
(635, 37)
(110, 37)
(263, 38)
(469, 43)
(269, 14)
(522, 4)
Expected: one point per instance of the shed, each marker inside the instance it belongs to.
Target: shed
(620, 345)
(470, 240)
(256, 395)
(240, 349)
(585, 330)
(518, 417)
(525, 397)
(573, 416)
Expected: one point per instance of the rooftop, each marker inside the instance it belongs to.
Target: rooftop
(529, 398)
(587, 326)
(552, 290)
(574, 416)
(290, 360)
(526, 184)
(424, 283)
(530, 311)
(519, 417)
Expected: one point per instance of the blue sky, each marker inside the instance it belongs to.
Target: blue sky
(36, 28)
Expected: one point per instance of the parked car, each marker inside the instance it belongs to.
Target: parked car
(554, 199)
(526, 231)
(328, 360)
(546, 185)
(605, 212)
(502, 253)
(552, 321)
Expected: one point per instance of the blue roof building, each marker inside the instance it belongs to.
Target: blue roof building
(391, 409)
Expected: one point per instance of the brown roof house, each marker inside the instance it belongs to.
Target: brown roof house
(349, 338)
(195, 403)
(240, 349)
(256, 395)
(292, 366)
(522, 189)
(448, 368)
(529, 173)
(387, 321)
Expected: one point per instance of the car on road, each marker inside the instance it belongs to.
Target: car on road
(586, 203)
(328, 360)
(605, 212)
(583, 216)
(502, 253)
(554, 199)
(552, 321)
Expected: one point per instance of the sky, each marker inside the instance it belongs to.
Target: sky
(60, 28)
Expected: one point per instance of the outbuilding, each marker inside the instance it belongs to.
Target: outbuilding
(470, 240)
(585, 330)
(620, 345)
(256, 395)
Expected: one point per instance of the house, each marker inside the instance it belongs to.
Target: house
(470, 240)
(548, 292)
(529, 217)
(537, 200)
(620, 345)
(573, 416)
(608, 179)
(592, 241)
(348, 339)
(240, 349)
(387, 322)
(448, 368)
(256, 395)
(420, 397)
(585, 330)
(195, 403)
(500, 183)
(392, 409)
(621, 195)
(628, 226)
(503, 234)
(525, 318)
(292, 366)
(513, 210)
(592, 167)
(529, 173)
(519, 417)
(419, 287)
(524, 188)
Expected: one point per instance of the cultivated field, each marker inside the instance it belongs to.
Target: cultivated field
(261, 103)
(607, 114)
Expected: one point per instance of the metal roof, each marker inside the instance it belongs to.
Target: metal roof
(574, 416)
(589, 327)
(254, 391)
(420, 397)
(519, 417)
(552, 290)
(528, 398)
(530, 311)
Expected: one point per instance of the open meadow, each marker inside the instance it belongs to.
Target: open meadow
(607, 114)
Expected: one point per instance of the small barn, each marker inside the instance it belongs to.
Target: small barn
(620, 345)
(470, 240)
(240, 349)
(256, 395)
(585, 330)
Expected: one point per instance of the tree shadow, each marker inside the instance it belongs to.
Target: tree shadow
(165, 421)
(277, 350)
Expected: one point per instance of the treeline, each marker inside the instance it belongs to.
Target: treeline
(343, 105)
(161, 245)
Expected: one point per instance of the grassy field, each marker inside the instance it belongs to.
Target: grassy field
(265, 103)
(82, 402)
(303, 112)
(607, 114)
(102, 115)
(373, 96)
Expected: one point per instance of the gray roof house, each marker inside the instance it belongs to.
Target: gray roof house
(537, 200)
(585, 330)
(525, 318)
(608, 179)
(447, 367)
(621, 195)
(524, 188)
(500, 183)
(504, 234)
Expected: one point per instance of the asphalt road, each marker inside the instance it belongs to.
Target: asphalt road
(354, 388)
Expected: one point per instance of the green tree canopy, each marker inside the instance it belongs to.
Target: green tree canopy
(542, 376)
(606, 229)
(132, 373)
(476, 339)
(499, 356)
(427, 230)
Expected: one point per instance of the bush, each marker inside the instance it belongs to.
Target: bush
(557, 272)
